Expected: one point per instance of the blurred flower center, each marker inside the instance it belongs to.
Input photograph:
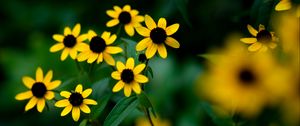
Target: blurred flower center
(76, 99)
(97, 44)
(69, 41)
(39, 89)
(246, 76)
(124, 17)
(264, 36)
(127, 75)
(142, 58)
(158, 35)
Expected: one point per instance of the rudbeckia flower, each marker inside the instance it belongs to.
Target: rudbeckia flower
(129, 77)
(99, 48)
(283, 5)
(156, 36)
(40, 90)
(76, 101)
(262, 40)
(126, 16)
(69, 42)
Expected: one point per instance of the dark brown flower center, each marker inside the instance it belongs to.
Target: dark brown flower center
(127, 76)
(76, 99)
(158, 35)
(38, 89)
(246, 76)
(124, 17)
(264, 36)
(142, 58)
(69, 41)
(97, 44)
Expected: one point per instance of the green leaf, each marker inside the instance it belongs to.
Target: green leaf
(182, 7)
(103, 102)
(149, 69)
(144, 100)
(83, 122)
(122, 109)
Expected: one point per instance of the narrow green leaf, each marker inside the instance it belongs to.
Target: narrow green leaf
(182, 7)
(145, 101)
(149, 69)
(83, 122)
(103, 102)
(122, 109)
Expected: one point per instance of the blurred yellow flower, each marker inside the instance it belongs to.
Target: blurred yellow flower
(262, 39)
(126, 16)
(129, 77)
(143, 121)
(283, 5)
(40, 90)
(69, 42)
(76, 101)
(99, 48)
(156, 36)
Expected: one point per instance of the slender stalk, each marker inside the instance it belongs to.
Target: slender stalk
(125, 48)
(149, 116)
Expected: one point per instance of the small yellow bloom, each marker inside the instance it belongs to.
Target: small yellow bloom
(129, 77)
(99, 48)
(262, 39)
(40, 90)
(126, 16)
(69, 42)
(156, 36)
(76, 101)
(283, 5)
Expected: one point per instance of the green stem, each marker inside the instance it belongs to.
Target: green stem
(125, 48)
(149, 116)
(91, 70)
(78, 65)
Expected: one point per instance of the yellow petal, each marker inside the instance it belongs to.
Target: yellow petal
(137, 19)
(24, 95)
(111, 40)
(82, 37)
(263, 48)
(39, 75)
(105, 35)
(112, 23)
(150, 22)
(127, 8)
(83, 47)
(86, 92)
(91, 34)
(162, 51)
(129, 30)
(48, 77)
(32, 102)
(85, 108)
(40, 104)
(67, 31)
(78, 88)
(117, 9)
(136, 88)
(109, 59)
(112, 13)
(100, 58)
(139, 68)
(76, 113)
(52, 85)
(162, 23)
(49, 95)
(83, 56)
(283, 5)
(28, 81)
(272, 45)
(254, 47)
(141, 78)
(261, 27)
(151, 50)
(116, 75)
(58, 37)
(73, 53)
(143, 44)
(76, 30)
(89, 102)
(134, 13)
(113, 49)
(120, 66)
(251, 30)
(172, 42)
(172, 29)
(143, 31)
(130, 63)
(64, 54)
(118, 86)
(248, 40)
(62, 103)
(57, 47)
(93, 57)
(127, 90)
(65, 94)
(66, 110)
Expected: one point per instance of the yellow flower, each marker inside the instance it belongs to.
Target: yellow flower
(99, 48)
(262, 39)
(129, 77)
(40, 90)
(76, 101)
(69, 42)
(156, 36)
(283, 5)
(126, 16)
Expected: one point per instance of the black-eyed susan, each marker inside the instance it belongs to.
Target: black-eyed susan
(156, 36)
(262, 40)
(99, 48)
(40, 90)
(69, 42)
(129, 77)
(76, 101)
(126, 16)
